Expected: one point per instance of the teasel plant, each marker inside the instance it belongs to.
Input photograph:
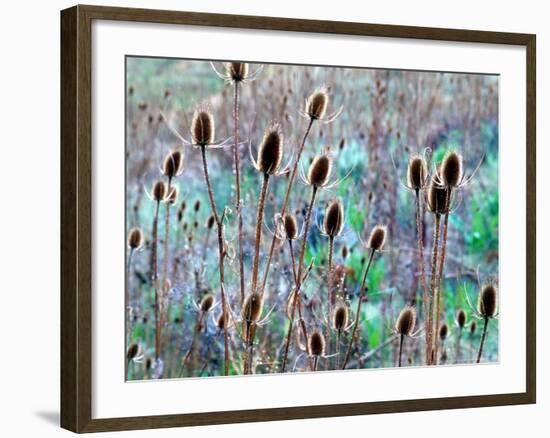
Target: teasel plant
(443, 332)
(203, 137)
(375, 243)
(340, 323)
(133, 355)
(315, 110)
(135, 243)
(404, 327)
(460, 321)
(316, 346)
(237, 74)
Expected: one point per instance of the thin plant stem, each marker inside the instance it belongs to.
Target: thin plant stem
(420, 238)
(483, 336)
(258, 236)
(315, 360)
(329, 293)
(358, 311)
(238, 206)
(165, 260)
(286, 199)
(221, 252)
(292, 261)
(400, 349)
(432, 288)
(457, 351)
(155, 280)
(338, 337)
(196, 331)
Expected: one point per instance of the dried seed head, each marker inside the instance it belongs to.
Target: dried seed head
(290, 226)
(172, 165)
(461, 318)
(172, 197)
(207, 302)
(159, 191)
(316, 105)
(334, 218)
(443, 332)
(437, 198)
(135, 238)
(237, 71)
(219, 321)
(319, 170)
(252, 307)
(416, 172)
(202, 128)
(406, 321)
(473, 327)
(133, 351)
(345, 252)
(316, 343)
(377, 238)
(451, 169)
(487, 305)
(210, 222)
(270, 152)
(197, 205)
(340, 316)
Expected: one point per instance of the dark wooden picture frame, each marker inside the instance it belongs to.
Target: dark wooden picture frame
(76, 217)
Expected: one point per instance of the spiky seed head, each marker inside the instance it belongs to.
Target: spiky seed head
(207, 302)
(197, 205)
(252, 307)
(237, 71)
(473, 327)
(316, 105)
(345, 252)
(290, 226)
(487, 305)
(443, 331)
(316, 343)
(135, 238)
(172, 197)
(133, 351)
(270, 151)
(159, 191)
(406, 321)
(172, 165)
(437, 198)
(416, 172)
(333, 222)
(377, 238)
(219, 321)
(340, 316)
(451, 169)
(319, 170)
(202, 128)
(210, 222)
(461, 318)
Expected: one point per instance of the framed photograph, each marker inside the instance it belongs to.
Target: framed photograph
(268, 218)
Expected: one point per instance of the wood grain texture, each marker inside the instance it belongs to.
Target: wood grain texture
(76, 219)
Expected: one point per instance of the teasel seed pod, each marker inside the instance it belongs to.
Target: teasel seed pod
(377, 238)
(443, 331)
(406, 321)
(252, 307)
(197, 205)
(135, 238)
(316, 105)
(487, 305)
(319, 171)
(207, 302)
(133, 351)
(333, 222)
(159, 191)
(316, 343)
(210, 222)
(220, 320)
(290, 226)
(452, 169)
(237, 71)
(172, 165)
(473, 327)
(270, 151)
(345, 252)
(416, 173)
(437, 198)
(461, 318)
(202, 128)
(340, 317)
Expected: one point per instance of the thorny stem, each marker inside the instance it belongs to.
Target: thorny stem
(221, 252)
(338, 336)
(165, 261)
(285, 202)
(433, 338)
(442, 260)
(358, 311)
(238, 205)
(155, 280)
(292, 261)
(258, 237)
(400, 349)
(329, 292)
(299, 277)
(483, 336)
(420, 237)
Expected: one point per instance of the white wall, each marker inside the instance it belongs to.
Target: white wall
(29, 218)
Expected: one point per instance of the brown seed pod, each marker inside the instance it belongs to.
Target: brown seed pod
(210, 222)
(377, 238)
(207, 302)
(133, 351)
(345, 252)
(406, 321)
(172, 165)
(159, 191)
(473, 327)
(202, 128)
(316, 105)
(461, 318)
(340, 317)
(252, 307)
(416, 172)
(290, 225)
(270, 151)
(437, 198)
(135, 238)
(219, 320)
(197, 205)
(451, 169)
(443, 331)
(333, 222)
(148, 364)
(319, 171)
(316, 343)
(237, 71)
(487, 305)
